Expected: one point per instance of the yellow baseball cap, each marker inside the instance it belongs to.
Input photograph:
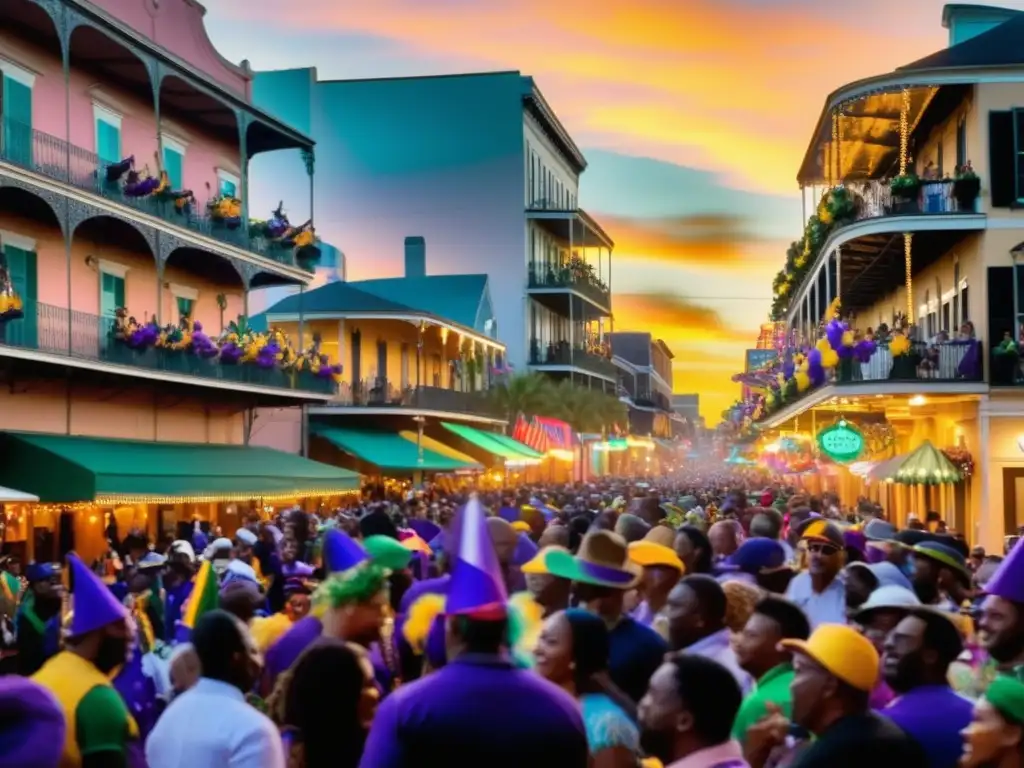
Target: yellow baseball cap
(649, 553)
(843, 651)
(521, 526)
(539, 562)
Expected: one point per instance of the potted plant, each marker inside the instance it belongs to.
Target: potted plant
(905, 190)
(1005, 362)
(966, 188)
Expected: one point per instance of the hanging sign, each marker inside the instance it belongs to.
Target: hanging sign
(841, 442)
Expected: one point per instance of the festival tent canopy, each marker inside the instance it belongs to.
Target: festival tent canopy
(390, 452)
(926, 465)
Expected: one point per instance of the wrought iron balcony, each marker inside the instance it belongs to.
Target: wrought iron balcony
(383, 393)
(577, 276)
(49, 156)
(577, 355)
(82, 336)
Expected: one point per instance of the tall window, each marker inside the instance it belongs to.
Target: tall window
(229, 184)
(17, 114)
(174, 161)
(108, 134)
(956, 294)
(111, 293)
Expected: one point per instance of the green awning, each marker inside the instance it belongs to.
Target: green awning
(515, 445)
(491, 443)
(67, 468)
(388, 451)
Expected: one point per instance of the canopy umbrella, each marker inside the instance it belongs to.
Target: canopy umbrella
(925, 466)
(922, 468)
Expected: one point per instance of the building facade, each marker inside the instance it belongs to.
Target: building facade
(645, 379)
(917, 227)
(125, 142)
(480, 167)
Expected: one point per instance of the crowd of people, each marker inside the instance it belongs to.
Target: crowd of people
(682, 623)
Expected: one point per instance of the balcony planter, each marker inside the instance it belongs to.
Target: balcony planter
(905, 192)
(844, 371)
(225, 212)
(966, 188)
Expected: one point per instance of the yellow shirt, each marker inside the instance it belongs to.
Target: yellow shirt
(70, 678)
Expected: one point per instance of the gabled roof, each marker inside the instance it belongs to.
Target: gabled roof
(336, 297)
(999, 47)
(452, 297)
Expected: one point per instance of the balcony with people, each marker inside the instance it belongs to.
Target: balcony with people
(570, 263)
(107, 119)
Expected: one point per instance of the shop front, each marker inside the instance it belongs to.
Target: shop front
(88, 488)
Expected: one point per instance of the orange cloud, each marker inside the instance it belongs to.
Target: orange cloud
(728, 85)
(708, 350)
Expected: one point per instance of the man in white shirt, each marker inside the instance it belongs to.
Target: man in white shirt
(211, 725)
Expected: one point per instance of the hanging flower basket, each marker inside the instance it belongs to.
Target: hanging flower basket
(966, 188)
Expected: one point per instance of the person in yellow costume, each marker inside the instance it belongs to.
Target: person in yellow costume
(266, 631)
(99, 727)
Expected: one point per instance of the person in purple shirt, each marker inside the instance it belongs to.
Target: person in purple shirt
(477, 710)
(915, 660)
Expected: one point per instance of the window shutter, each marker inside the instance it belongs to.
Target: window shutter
(174, 165)
(17, 119)
(108, 142)
(1002, 161)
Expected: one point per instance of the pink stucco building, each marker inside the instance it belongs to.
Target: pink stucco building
(102, 101)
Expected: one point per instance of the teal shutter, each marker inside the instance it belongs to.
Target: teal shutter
(184, 308)
(17, 119)
(228, 188)
(174, 164)
(108, 142)
(111, 294)
(21, 266)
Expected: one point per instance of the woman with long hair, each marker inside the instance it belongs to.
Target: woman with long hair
(572, 652)
(324, 705)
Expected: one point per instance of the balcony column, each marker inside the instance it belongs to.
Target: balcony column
(908, 239)
(828, 280)
(342, 346)
(302, 324)
(243, 169)
(309, 160)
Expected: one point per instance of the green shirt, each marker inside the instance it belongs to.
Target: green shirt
(772, 688)
(101, 722)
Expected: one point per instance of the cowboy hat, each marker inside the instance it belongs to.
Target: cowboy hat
(602, 561)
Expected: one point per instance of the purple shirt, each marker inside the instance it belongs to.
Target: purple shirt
(296, 568)
(933, 715)
(478, 710)
(282, 654)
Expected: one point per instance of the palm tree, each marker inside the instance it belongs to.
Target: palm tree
(528, 394)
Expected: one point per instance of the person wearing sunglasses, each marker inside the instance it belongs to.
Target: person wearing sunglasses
(821, 590)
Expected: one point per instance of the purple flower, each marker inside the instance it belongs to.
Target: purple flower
(230, 353)
(863, 350)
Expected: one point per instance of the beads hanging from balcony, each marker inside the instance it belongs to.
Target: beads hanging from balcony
(904, 130)
(907, 241)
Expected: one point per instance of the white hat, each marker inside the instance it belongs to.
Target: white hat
(246, 536)
(182, 547)
(890, 597)
(215, 547)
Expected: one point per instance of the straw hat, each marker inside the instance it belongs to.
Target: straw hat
(602, 561)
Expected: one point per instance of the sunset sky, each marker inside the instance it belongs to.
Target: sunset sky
(693, 115)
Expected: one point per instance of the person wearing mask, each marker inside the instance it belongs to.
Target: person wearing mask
(877, 617)
(318, 734)
(572, 652)
(835, 671)
(915, 664)
(696, 624)
(602, 574)
(37, 621)
(687, 714)
(694, 549)
(995, 736)
(478, 709)
(758, 653)
(98, 642)
(211, 725)
(820, 591)
(662, 570)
